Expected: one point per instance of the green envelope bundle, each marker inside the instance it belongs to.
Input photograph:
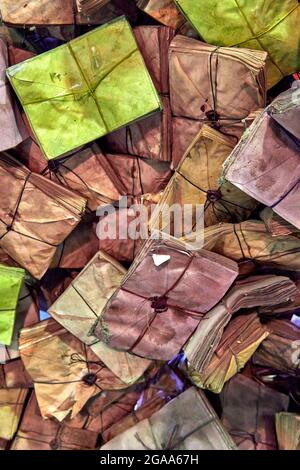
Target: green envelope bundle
(11, 280)
(272, 26)
(84, 89)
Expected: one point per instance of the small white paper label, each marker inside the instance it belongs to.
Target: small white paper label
(160, 259)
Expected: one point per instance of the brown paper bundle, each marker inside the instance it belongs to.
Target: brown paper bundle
(280, 350)
(154, 319)
(66, 373)
(221, 201)
(27, 314)
(13, 130)
(251, 240)
(82, 304)
(165, 386)
(249, 410)
(36, 433)
(188, 422)
(11, 406)
(203, 84)
(36, 217)
(239, 341)
(150, 137)
(267, 290)
(288, 431)
(265, 165)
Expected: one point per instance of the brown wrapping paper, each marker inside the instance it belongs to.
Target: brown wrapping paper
(131, 228)
(203, 84)
(14, 375)
(36, 433)
(36, 216)
(252, 241)
(78, 248)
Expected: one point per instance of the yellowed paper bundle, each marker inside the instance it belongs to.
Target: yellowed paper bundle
(66, 373)
(240, 340)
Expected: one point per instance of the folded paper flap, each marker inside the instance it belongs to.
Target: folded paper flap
(78, 308)
(209, 96)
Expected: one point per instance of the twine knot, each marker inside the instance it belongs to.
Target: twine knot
(90, 379)
(214, 195)
(159, 304)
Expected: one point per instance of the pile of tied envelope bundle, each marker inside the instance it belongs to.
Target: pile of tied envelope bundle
(166, 341)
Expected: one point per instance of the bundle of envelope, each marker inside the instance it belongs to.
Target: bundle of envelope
(254, 291)
(265, 165)
(154, 319)
(149, 225)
